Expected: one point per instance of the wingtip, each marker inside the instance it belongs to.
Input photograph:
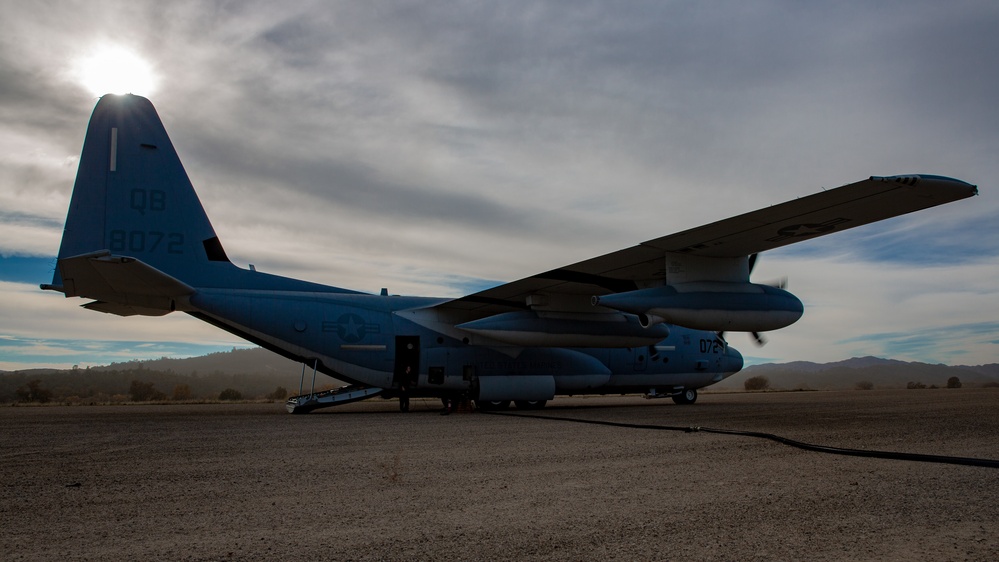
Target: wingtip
(913, 179)
(970, 189)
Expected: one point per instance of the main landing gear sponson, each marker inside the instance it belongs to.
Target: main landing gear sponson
(530, 404)
(493, 405)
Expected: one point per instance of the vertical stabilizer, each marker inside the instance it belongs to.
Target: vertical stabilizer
(132, 197)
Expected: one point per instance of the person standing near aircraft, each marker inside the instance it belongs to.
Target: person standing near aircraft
(404, 390)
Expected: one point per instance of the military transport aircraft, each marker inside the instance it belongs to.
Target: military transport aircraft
(646, 319)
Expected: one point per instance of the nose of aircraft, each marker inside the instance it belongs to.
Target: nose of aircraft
(732, 360)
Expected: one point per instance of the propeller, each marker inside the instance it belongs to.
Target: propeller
(758, 338)
(781, 283)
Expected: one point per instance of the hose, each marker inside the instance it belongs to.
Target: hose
(915, 457)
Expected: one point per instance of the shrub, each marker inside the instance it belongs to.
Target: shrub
(182, 392)
(953, 382)
(144, 392)
(32, 391)
(280, 393)
(230, 394)
(915, 385)
(757, 383)
(865, 385)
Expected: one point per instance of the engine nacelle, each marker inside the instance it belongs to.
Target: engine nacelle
(738, 307)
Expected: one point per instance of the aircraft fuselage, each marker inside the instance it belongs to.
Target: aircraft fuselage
(363, 339)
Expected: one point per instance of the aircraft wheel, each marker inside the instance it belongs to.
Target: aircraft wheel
(530, 404)
(492, 405)
(688, 396)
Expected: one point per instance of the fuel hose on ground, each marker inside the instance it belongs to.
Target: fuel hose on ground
(915, 457)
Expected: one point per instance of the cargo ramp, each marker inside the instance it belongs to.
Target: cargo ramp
(306, 403)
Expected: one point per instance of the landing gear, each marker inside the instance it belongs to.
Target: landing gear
(530, 404)
(687, 396)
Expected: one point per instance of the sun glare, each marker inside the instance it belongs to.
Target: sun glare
(115, 70)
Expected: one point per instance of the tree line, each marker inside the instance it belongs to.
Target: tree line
(141, 385)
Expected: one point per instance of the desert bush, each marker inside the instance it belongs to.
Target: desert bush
(953, 382)
(915, 385)
(280, 393)
(757, 383)
(182, 392)
(864, 385)
(144, 392)
(230, 394)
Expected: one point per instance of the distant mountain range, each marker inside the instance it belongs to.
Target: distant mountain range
(882, 373)
(256, 372)
(253, 361)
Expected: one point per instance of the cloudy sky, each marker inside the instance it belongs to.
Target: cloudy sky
(438, 148)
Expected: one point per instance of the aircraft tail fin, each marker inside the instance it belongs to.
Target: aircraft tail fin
(132, 199)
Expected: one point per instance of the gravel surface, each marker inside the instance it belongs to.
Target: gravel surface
(365, 482)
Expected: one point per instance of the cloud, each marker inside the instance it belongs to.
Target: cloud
(938, 344)
(19, 354)
(436, 148)
(943, 236)
(27, 270)
(44, 329)
(856, 308)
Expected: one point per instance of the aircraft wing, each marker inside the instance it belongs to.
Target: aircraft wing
(647, 264)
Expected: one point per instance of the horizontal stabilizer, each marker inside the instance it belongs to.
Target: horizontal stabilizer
(121, 285)
(123, 309)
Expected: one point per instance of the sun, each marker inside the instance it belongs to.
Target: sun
(113, 69)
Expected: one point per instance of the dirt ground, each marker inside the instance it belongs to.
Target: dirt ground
(365, 482)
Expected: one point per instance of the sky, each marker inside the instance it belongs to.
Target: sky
(439, 148)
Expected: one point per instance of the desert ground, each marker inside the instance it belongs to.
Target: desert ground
(366, 482)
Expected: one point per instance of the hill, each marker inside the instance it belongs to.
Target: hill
(258, 373)
(882, 373)
(254, 373)
(253, 361)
